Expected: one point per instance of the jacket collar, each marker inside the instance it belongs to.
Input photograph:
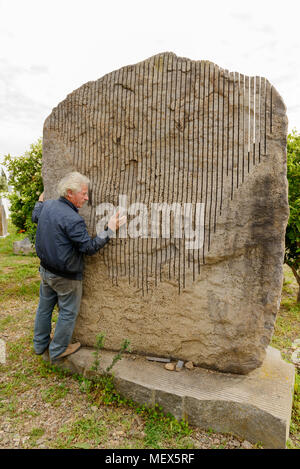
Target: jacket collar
(66, 201)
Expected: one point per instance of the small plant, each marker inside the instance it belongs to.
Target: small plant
(99, 345)
(124, 348)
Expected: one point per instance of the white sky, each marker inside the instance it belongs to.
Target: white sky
(51, 47)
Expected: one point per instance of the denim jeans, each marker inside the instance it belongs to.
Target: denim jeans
(67, 294)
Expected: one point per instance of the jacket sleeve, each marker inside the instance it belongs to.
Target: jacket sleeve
(36, 212)
(78, 234)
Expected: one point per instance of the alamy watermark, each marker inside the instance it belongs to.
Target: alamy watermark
(160, 220)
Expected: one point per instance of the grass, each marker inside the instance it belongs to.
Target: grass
(45, 406)
(18, 273)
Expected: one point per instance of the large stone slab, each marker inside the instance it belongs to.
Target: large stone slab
(172, 130)
(256, 407)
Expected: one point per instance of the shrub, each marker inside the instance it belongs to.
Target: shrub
(292, 237)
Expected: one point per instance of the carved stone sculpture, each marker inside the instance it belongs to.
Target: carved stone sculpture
(167, 131)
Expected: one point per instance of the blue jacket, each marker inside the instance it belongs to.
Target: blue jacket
(62, 238)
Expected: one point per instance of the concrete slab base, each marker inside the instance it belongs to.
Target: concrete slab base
(256, 407)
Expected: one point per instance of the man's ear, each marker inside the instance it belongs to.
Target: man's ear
(69, 193)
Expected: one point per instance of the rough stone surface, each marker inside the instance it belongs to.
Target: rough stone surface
(256, 407)
(189, 365)
(179, 131)
(3, 220)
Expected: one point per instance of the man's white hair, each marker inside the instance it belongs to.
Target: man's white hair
(72, 181)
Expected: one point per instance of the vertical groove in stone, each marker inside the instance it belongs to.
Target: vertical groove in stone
(223, 138)
(257, 119)
(99, 147)
(228, 114)
(251, 122)
(218, 148)
(195, 139)
(238, 133)
(122, 159)
(101, 144)
(174, 157)
(163, 164)
(184, 158)
(72, 114)
(140, 167)
(232, 132)
(131, 166)
(200, 145)
(78, 100)
(254, 118)
(265, 118)
(93, 115)
(190, 154)
(113, 102)
(157, 149)
(202, 156)
(83, 131)
(170, 197)
(247, 121)
(211, 155)
(164, 112)
(207, 162)
(154, 154)
(242, 85)
(271, 111)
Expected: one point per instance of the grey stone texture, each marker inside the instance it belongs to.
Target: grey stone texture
(173, 130)
(256, 407)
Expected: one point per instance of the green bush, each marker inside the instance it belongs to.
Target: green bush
(292, 238)
(26, 180)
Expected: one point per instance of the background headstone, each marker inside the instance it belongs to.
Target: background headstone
(23, 247)
(173, 130)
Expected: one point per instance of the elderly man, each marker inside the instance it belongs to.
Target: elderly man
(61, 241)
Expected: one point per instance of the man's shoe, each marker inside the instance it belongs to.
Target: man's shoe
(72, 348)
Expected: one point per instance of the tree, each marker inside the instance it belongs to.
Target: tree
(292, 237)
(26, 180)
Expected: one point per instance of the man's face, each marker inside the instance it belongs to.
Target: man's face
(79, 198)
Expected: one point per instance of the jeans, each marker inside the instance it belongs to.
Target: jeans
(67, 293)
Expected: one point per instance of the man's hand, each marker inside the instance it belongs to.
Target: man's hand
(115, 222)
(41, 197)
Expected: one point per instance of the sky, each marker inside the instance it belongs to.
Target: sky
(51, 47)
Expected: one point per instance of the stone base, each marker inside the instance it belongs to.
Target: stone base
(256, 407)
